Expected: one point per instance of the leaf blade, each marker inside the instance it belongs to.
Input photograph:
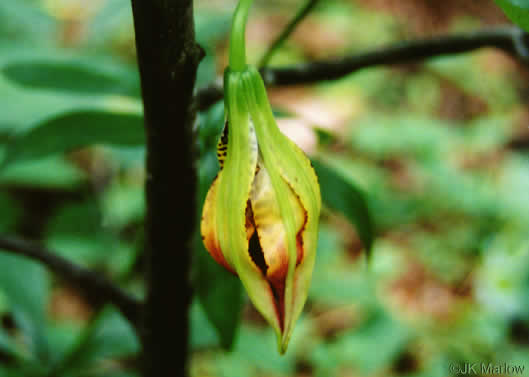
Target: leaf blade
(69, 131)
(73, 76)
(517, 11)
(343, 196)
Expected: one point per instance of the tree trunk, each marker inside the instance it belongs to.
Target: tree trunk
(168, 57)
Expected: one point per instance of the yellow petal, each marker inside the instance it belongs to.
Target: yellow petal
(208, 226)
(272, 236)
(269, 224)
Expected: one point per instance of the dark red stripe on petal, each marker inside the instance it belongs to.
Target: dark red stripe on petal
(299, 239)
(278, 291)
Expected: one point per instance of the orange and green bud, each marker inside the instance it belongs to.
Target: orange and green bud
(260, 217)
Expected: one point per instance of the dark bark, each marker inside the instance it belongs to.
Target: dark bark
(168, 57)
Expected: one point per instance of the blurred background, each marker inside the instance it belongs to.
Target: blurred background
(439, 149)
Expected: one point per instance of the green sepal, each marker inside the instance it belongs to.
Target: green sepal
(288, 168)
(252, 278)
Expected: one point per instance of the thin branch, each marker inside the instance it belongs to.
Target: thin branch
(510, 39)
(89, 282)
(506, 39)
(287, 31)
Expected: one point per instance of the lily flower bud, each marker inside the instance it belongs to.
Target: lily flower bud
(260, 217)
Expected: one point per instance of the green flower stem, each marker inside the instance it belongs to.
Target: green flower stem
(237, 39)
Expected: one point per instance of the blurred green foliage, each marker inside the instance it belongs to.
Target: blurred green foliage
(516, 10)
(431, 158)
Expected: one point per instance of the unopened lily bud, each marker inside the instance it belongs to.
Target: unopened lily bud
(260, 217)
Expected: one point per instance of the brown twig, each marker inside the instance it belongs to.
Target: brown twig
(510, 39)
(89, 282)
(287, 31)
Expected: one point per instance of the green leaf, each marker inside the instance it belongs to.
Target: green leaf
(5, 342)
(77, 232)
(50, 173)
(517, 11)
(21, 21)
(62, 337)
(256, 350)
(202, 333)
(343, 196)
(22, 109)
(108, 336)
(220, 295)
(25, 285)
(70, 131)
(123, 203)
(112, 22)
(369, 348)
(113, 337)
(524, 4)
(10, 213)
(24, 369)
(73, 76)
(212, 26)
(113, 373)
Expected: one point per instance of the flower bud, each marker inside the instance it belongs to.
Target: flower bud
(260, 217)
